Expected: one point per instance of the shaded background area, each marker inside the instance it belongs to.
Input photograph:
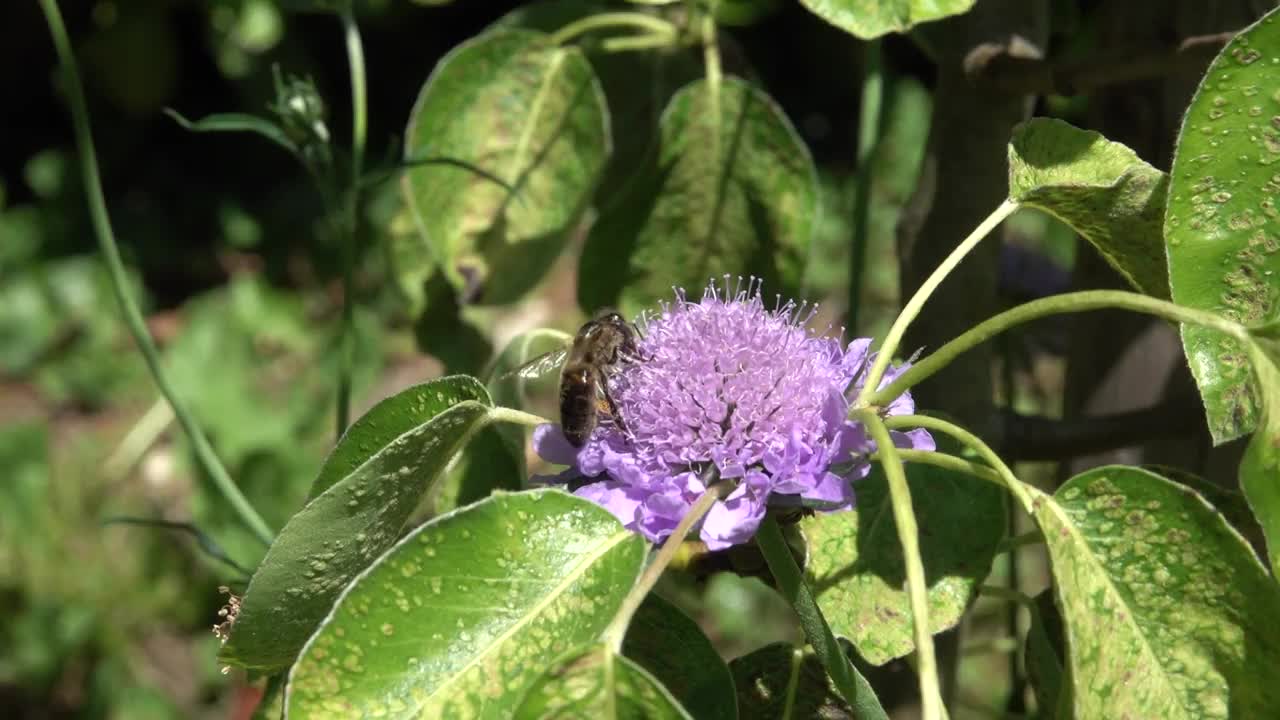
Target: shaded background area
(241, 285)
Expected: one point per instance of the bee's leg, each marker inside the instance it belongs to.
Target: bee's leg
(607, 406)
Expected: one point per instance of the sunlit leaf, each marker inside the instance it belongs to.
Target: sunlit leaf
(872, 18)
(391, 418)
(1168, 612)
(528, 112)
(382, 470)
(236, 122)
(599, 684)
(1223, 225)
(464, 615)
(856, 568)
(735, 194)
(1101, 189)
(671, 646)
(764, 680)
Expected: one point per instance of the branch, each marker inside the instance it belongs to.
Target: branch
(993, 66)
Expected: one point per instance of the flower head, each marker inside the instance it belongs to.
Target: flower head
(729, 383)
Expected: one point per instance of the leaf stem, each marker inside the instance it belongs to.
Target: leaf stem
(917, 301)
(599, 21)
(516, 417)
(948, 462)
(870, 123)
(1056, 305)
(909, 537)
(359, 130)
(1002, 469)
(853, 687)
(617, 630)
(115, 267)
(715, 73)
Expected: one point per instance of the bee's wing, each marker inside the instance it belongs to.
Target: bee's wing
(539, 366)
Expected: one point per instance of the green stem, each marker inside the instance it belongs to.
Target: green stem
(853, 687)
(1031, 537)
(653, 25)
(793, 683)
(359, 130)
(917, 301)
(1056, 305)
(947, 462)
(715, 74)
(648, 41)
(909, 537)
(870, 122)
(115, 267)
(617, 630)
(516, 417)
(1015, 486)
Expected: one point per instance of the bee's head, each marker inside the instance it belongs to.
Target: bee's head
(608, 316)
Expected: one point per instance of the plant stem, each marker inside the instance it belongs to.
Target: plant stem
(870, 122)
(359, 130)
(968, 439)
(853, 687)
(1056, 305)
(643, 21)
(917, 301)
(948, 462)
(909, 537)
(119, 283)
(617, 630)
(516, 417)
(711, 61)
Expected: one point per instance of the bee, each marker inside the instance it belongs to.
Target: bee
(601, 345)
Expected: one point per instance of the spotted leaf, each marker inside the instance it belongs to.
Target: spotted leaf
(464, 615)
(1222, 224)
(371, 483)
(1168, 612)
(599, 685)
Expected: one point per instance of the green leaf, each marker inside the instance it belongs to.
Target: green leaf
(488, 463)
(1260, 466)
(1168, 612)
(637, 86)
(857, 570)
(736, 196)
(383, 469)
(1044, 653)
(528, 112)
(1222, 224)
(598, 684)
(236, 122)
(391, 418)
(671, 646)
(1102, 189)
(466, 613)
(779, 676)
(872, 18)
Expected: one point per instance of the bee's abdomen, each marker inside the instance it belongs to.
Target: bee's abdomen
(577, 405)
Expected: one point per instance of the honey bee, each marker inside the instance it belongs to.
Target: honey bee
(601, 345)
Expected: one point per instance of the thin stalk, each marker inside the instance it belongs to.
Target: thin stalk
(711, 61)
(139, 439)
(948, 462)
(850, 683)
(351, 226)
(115, 268)
(648, 41)
(793, 683)
(600, 21)
(516, 417)
(909, 537)
(1031, 537)
(1056, 305)
(870, 124)
(917, 301)
(617, 630)
(1015, 486)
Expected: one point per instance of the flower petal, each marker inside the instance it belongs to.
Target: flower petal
(616, 497)
(551, 445)
(918, 439)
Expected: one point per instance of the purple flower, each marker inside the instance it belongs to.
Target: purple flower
(727, 382)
